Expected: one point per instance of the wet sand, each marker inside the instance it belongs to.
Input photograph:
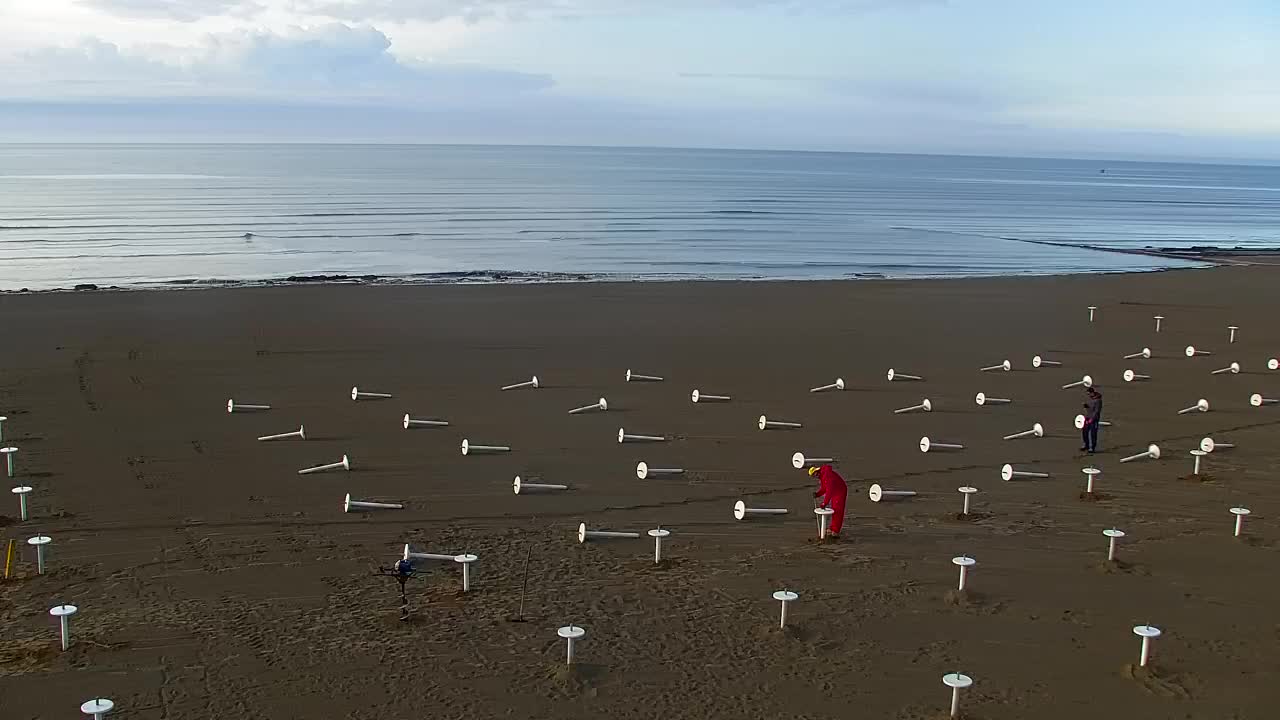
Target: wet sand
(215, 582)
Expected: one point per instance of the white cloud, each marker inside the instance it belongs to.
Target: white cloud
(475, 10)
(334, 61)
(179, 10)
(147, 26)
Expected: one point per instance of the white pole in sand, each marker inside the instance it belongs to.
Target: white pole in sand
(1004, 365)
(837, 385)
(742, 512)
(893, 375)
(1239, 512)
(924, 405)
(1092, 308)
(1153, 452)
(469, 448)
(643, 471)
(624, 436)
(1197, 454)
(600, 404)
(1191, 351)
(465, 561)
(1038, 362)
(1157, 318)
(698, 396)
(1090, 475)
(349, 505)
(1036, 430)
(344, 463)
(877, 493)
(1202, 405)
(358, 394)
(1085, 381)
(637, 377)
(1131, 376)
(235, 407)
(97, 707)
(1255, 400)
(584, 534)
(966, 491)
(300, 433)
(1144, 353)
(824, 517)
(657, 534)
(39, 541)
(519, 486)
(1147, 633)
(1112, 535)
(21, 491)
(926, 445)
(798, 461)
(9, 452)
(1007, 473)
(981, 399)
(410, 555)
(1079, 422)
(1233, 368)
(1231, 330)
(409, 422)
(3, 419)
(956, 681)
(765, 423)
(1208, 445)
(965, 563)
(532, 383)
(571, 633)
(64, 613)
(785, 597)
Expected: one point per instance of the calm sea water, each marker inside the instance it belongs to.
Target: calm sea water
(139, 214)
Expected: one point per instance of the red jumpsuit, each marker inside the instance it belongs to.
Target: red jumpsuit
(831, 493)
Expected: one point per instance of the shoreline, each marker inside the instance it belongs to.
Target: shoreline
(505, 278)
(1206, 254)
(1209, 257)
(509, 279)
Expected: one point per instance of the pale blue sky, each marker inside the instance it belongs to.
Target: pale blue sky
(1171, 78)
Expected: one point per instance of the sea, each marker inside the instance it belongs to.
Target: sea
(193, 215)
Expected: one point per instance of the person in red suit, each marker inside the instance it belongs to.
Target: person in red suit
(831, 494)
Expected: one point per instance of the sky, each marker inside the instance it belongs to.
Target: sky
(1147, 78)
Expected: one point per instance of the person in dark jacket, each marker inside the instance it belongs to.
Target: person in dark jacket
(1092, 419)
(832, 493)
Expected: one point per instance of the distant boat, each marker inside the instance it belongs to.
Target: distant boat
(1103, 171)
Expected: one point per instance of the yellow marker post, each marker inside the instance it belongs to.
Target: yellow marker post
(8, 559)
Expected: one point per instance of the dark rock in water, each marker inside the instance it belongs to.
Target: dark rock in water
(86, 286)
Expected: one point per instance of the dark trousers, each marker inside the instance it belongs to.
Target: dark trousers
(1090, 435)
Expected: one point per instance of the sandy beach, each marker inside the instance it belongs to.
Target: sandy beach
(213, 581)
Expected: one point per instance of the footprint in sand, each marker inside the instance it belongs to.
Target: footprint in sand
(1155, 682)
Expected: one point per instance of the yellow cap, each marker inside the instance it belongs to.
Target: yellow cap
(813, 470)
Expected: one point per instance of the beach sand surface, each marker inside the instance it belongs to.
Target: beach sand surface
(213, 581)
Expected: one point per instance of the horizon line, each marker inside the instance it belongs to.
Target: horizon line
(1114, 157)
